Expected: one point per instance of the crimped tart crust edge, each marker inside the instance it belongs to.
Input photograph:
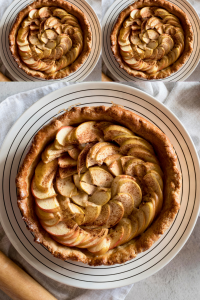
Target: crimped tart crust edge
(140, 126)
(187, 27)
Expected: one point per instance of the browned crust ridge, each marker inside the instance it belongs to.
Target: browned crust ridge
(188, 44)
(87, 38)
(140, 126)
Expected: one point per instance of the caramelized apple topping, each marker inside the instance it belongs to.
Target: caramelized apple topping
(97, 186)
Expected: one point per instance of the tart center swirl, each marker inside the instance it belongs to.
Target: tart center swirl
(97, 186)
(49, 40)
(151, 39)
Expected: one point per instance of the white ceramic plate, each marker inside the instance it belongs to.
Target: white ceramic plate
(15, 148)
(7, 22)
(109, 21)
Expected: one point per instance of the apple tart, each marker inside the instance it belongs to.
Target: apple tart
(50, 39)
(152, 39)
(99, 185)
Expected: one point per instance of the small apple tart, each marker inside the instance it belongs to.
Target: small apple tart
(99, 185)
(152, 39)
(50, 39)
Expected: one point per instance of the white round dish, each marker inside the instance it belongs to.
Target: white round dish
(109, 21)
(7, 22)
(15, 148)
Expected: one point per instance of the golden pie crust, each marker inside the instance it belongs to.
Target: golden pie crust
(55, 61)
(161, 64)
(168, 162)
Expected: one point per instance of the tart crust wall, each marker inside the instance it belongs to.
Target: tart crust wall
(140, 126)
(70, 8)
(186, 25)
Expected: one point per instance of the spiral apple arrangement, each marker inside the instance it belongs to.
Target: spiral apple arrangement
(97, 186)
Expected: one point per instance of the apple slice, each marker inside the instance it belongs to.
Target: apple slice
(149, 211)
(44, 174)
(113, 130)
(116, 168)
(92, 212)
(158, 177)
(119, 139)
(81, 199)
(74, 153)
(66, 161)
(65, 186)
(146, 12)
(86, 133)
(129, 167)
(96, 237)
(140, 216)
(126, 224)
(135, 14)
(87, 188)
(81, 161)
(67, 172)
(143, 154)
(100, 196)
(125, 159)
(128, 202)
(69, 237)
(105, 151)
(80, 217)
(62, 229)
(103, 217)
(49, 205)
(91, 156)
(61, 135)
(50, 152)
(134, 229)
(100, 177)
(101, 248)
(129, 186)
(135, 142)
(43, 214)
(115, 236)
(116, 213)
(76, 179)
(50, 192)
(83, 235)
(50, 223)
(86, 177)
(152, 185)
(111, 158)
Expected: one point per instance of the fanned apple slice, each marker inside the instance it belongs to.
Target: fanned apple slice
(113, 130)
(86, 133)
(87, 188)
(95, 238)
(76, 179)
(127, 201)
(80, 217)
(143, 154)
(103, 217)
(146, 12)
(65, 186)
(126, 223)
(101, 248)
(81, 238)
(92, 212)
(49, 205)
(66, 161)
(111, 158)
(81, 162)
(129, 186)
(140, 216)
(67, 172)
(129, 167)
(44, 174)
(158, 177)
(105, 151)
(152, 185)
(134, 229)
(100, 196)
(62, 229)
(50, 152)
(86, 177)
(50, 223)
(119, 139)
(149, 211)
(116, 213)
(91, 156)
(135, 142)
(116, 168)
(61, 136)
(115, 236)
(102, 125)
(70, 237)
(43, 214)
(50, 192)
(74, 153)
(81, 199)
(71, 138)
(100, 177)
(125, 159)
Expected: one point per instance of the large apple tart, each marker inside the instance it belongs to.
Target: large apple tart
(152, 39)
(50, 39)
(99, 185)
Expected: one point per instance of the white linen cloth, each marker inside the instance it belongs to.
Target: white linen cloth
(195, 76)
(95, 75)
(181, 98)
